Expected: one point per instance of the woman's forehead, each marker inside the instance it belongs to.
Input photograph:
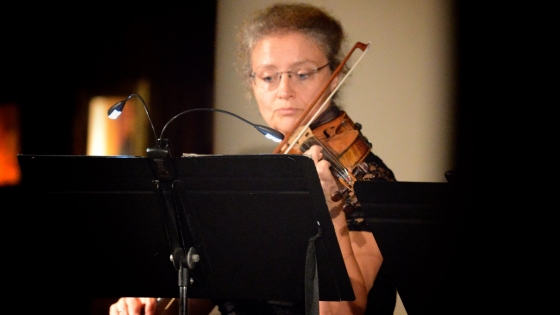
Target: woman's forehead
(291, 36)
(286, 49)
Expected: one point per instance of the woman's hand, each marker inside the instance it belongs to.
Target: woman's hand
(134, 306)
(329, 183)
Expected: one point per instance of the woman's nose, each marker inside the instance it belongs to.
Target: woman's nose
(285, 85)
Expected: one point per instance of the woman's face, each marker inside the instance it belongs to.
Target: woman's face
(282, 99)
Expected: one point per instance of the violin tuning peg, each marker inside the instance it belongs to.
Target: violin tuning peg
(337, 196)
(350, 205)
(347, 208)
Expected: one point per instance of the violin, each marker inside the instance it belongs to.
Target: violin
(343, 144)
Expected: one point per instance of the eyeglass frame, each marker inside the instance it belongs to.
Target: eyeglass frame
(278, 74)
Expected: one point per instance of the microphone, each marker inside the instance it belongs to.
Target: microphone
(162, 145)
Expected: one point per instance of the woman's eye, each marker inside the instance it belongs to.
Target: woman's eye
(303, 75)
(267, 79)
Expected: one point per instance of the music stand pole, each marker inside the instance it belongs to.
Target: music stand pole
(167, 194)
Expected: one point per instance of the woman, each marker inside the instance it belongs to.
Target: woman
(288, 53)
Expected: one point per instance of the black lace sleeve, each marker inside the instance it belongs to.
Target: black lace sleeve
(376, 170)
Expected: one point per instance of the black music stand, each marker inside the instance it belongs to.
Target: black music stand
(248, 219)
(419, 228)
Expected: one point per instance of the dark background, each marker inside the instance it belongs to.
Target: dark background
(54, 59)
(51, 68)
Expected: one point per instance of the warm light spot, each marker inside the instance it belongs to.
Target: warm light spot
(98, 125)
(122, 136)
(9, 145)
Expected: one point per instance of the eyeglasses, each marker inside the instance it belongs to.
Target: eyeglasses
(269, 80)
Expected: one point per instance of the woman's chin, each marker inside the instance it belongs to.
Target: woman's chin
(284, 130)
(287, 126)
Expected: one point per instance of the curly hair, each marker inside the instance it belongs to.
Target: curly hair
(280, 18)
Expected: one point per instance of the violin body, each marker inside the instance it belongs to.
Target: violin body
(344, 138)
(344, 147)
(341, 137)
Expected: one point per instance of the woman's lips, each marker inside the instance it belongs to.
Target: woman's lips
(288, 111)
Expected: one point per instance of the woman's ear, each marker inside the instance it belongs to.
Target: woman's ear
(335, 81)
